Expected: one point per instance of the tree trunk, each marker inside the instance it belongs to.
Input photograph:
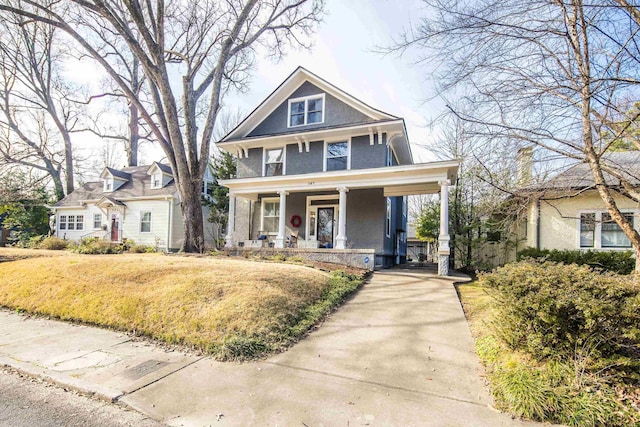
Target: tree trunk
(134, 136)
(192, 219)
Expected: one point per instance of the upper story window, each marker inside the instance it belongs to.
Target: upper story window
(306, 111)
(274, 162)
(108, 184)
(337, 156)
(156, 180)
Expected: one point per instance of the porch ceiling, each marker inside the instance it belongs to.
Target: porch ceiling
(421, 178)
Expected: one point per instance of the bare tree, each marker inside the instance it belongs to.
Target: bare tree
(553, 73)
(207, 46)
(36, 118)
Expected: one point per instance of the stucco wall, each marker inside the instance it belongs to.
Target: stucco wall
(336, 112)
(559, 225)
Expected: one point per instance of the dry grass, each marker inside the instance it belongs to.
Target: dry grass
(201, 302)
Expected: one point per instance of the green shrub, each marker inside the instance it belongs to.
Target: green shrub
(95, 246)
(141, 249)
(554, 310)
(54, 243)
(615, 261)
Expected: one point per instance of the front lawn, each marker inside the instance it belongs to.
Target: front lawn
(229, 308)
(557, 342)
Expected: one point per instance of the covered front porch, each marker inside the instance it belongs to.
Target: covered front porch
(336, 211)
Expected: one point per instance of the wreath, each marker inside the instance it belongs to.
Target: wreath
(295, 221)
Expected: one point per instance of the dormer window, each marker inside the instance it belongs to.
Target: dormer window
(306, 111)
(156, 180)
(108, 184)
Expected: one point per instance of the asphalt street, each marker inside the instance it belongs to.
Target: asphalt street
(25, 402)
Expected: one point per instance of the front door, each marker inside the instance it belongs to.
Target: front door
(115, 228)
(325, 227)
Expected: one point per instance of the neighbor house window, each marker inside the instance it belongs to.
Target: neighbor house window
(62, 223)
(97, 221)
(145, 222)
(587, 230)
(270, 216)
(306, 111)
(387, 227)
(74, 222)
(108, 185)
(612, 235)
(156, 180)
(274, 162)
(337, 156)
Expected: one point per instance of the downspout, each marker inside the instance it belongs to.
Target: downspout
(170, 201)
(250, 219)
(538, 224)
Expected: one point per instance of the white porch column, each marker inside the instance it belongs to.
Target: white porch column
(231, 222)
(443, 239)
(341, 238)
(282, 238)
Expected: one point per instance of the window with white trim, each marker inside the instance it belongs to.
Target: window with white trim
(74, 222)
(97, 221)
(598, 230)
(270, 215)
(337, 156)
(108, 184)
(145, 222)
(274, 162)
(62, 222)
(587, 230)
(156, 180)
(612, 235)
(306, 111)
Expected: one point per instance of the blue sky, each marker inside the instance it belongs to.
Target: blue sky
(343, 53)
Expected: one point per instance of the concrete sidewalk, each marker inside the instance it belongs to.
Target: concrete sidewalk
(399, 353)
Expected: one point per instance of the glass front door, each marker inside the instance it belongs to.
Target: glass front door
(325, 227)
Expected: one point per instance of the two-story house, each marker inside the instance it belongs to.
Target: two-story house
(140, 203)
(319, 164)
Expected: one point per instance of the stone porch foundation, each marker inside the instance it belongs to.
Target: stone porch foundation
(359, 258)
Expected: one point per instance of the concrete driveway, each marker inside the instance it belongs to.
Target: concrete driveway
(398, 353)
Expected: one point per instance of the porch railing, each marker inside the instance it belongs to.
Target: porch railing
(100, 234)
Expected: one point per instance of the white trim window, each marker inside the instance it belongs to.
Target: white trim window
(274, 162)
(156, 180)
(612, 235)
(387, 225)
(74, 222)
(62, 222)
(306, 111)
(337, 156)
(587, 229)
(270, 217)
(97, 221)
(597, 230)
(145, 222)
(108, 184)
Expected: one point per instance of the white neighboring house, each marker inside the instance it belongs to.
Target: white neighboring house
(140, 203)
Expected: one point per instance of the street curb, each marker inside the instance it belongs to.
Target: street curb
(103, 393)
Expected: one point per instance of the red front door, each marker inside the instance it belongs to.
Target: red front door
(115, 227)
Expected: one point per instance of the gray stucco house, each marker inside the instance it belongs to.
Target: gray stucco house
(316, 162)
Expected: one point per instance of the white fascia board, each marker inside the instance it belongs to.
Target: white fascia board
(392, 176)
(311, 135)
(131, 199)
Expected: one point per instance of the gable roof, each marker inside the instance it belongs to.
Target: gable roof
(579, 176)
(286, 88)
(116, 173)
(137, 186)
(165, 169)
